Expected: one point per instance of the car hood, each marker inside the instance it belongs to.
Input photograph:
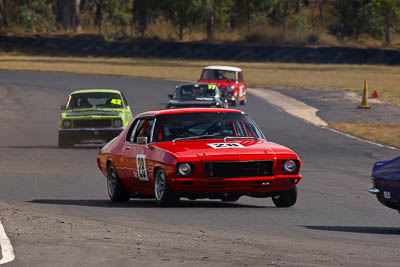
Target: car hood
(217, 149)
(92, 112)
(388, 169)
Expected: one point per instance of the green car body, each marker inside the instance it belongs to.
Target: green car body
(93, 116)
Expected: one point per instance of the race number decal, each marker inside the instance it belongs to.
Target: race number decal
(211, 87)
(116, 101)
(225, 145)
(141, 167)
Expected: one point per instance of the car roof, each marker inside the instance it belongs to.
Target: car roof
(227, 68)
(187, 110)
(96, 91)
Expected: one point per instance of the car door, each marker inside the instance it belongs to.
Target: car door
(136, 161)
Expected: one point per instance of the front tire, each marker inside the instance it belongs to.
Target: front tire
(162, 190)
(115, 188)
(285, 199)
(226, 104)
(63, 142)
(230, 198)
(244, 101)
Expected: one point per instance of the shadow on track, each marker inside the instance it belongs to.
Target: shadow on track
(358, 229)
(142, 204)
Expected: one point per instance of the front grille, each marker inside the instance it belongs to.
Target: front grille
(92, 123)
(237, 169)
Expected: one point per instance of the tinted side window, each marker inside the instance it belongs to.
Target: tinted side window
(241, 77)
(139, 130)
(144, 128)
(149, 127)
(131, 132)
(124, 99)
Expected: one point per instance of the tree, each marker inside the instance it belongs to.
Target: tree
(387, 14)
(142, 13)
(119, 13)
(280, 10)
(71, 15)
(244, 10)
(183, 14)
(351, 18)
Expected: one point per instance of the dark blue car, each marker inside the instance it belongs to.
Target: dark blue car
(386, 182)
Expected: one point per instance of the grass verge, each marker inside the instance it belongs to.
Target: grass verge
(387, 134)
(384, 79)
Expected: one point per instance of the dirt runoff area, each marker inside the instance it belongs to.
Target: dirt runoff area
(44, 240)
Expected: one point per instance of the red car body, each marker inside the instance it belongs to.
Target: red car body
(222, 167)
(229, 79)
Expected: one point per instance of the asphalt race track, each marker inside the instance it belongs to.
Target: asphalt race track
(335, 221)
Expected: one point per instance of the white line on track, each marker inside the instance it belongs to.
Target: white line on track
(7, 250)
(302, 111)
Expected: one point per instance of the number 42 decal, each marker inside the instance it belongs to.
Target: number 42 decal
(116, 101)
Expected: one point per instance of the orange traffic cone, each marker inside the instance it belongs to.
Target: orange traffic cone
(364, 101)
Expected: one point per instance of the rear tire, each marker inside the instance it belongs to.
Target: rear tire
(285, 199)
(115, 188)
(162, 190)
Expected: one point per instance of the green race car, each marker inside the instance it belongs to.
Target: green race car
(93, 116)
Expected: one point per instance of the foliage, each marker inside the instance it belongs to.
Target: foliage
(36, 16)
(122, 18)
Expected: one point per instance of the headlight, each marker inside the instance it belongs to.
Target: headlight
(185, 169)
(66, 124)
(117, 123)
(290, 166)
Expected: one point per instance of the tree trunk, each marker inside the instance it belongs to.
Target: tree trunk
(71, 16)
(248, 15)
(3, 12)
(387, 26)
(210, 23)
(99, 15)
(181, 31)
(321, 11)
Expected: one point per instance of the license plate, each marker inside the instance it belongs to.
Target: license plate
(386, 194)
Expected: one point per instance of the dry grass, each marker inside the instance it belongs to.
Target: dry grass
(384, 79)
(382, 133)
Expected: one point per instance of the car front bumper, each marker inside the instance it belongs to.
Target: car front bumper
(240, 186)
(89, 135)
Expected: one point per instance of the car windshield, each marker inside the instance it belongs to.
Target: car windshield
(98, 99)
(205, 125)
(196, 90)
(219, 75)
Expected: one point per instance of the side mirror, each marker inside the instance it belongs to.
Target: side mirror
(62, 107)
(142, 140)
(170, 96)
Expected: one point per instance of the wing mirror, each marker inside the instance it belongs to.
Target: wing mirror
(142, 140)
(170, 96)
(62, 107)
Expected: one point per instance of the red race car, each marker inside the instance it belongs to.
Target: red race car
(230, 80)
(198, 153)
